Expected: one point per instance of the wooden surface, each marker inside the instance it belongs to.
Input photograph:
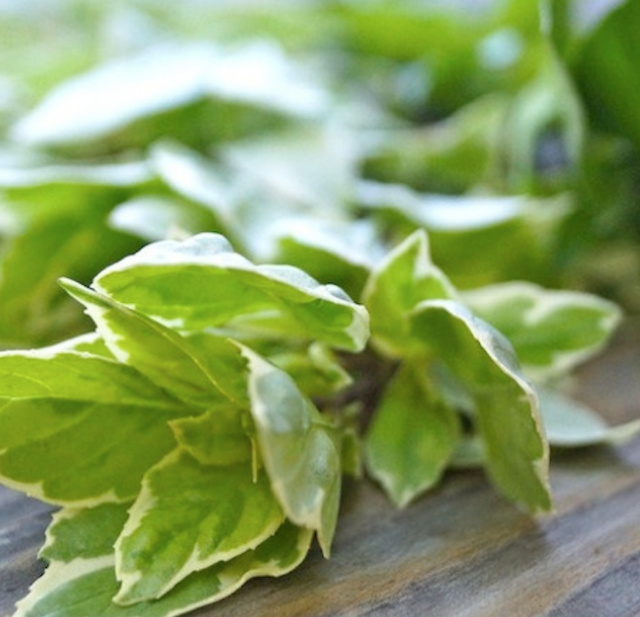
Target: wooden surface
(459, 552)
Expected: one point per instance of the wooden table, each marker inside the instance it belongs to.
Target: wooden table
(459, 552)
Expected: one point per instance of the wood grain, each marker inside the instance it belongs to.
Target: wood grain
(459, 552)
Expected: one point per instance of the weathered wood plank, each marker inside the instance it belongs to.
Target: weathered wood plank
(22, 525)
(459, 552)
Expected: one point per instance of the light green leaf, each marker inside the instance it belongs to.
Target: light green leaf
(316, 370)
(299, 449)
(86, 587)
(47, 188)
(79, 429)
(605, 68)
(523, 228)
(218, 437)
(77, 534)
(202, 283)
(507, 411)
(407, 276)
(33, 310)
(82, 108)
(159, 353)
(552, 331)
(412, 436)
(164, 79)
(338, 251)
(570, 424)
(188, 517)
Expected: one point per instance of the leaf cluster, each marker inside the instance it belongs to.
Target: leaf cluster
(321, 239)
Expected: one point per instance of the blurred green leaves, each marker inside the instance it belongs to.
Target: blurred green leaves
(312, 237)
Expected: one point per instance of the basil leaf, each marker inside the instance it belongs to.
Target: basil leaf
(87, 588)
(570, 424)
(217, 437)
(299, 449)
(551, 331)
(202, 283)
(164, 80)
(506, 404)
(316, 370)
(188, 517)
(407, 276)
(521, 226)
(82, 534)
(79, 429)
(158, 352)
(412, 436)
(33, 311)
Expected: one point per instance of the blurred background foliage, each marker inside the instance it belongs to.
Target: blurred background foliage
(318, 133)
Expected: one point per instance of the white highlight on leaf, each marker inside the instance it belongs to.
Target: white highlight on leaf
(441, 212)
(116, 343)
(122, 174)
(164, 78)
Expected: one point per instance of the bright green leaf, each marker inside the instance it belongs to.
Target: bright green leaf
(188, 517)
(316, 370)
(407, 276)
(298, 448)
(77, 428)
(412, 436)
(218, 437)
(83, 533)
(86, 587)
(507, 412)
(202, 283)
(551, 331)
(523, 228)
(159, 353)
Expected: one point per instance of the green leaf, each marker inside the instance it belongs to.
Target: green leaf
(571, 424)
(79, 429)
(83, 533)
(33, 310)
(412, 436)
(217, 437)
(299, 449)
(202, 283)
(604, 65)
(188, 517)
(524, 228)
(86, 587)
(405, 278)
(506, 411)
(551, 331)
(341, 252)
(159, 353)
(316, 370)
(156, 84)
(45, 188)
